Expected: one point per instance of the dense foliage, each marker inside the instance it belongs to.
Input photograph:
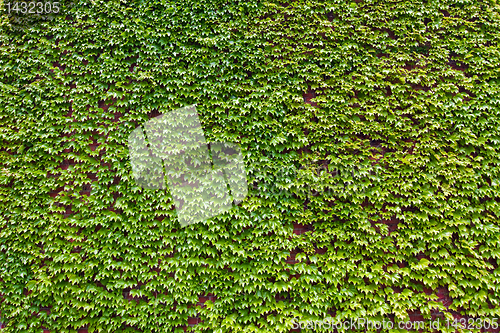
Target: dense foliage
(394, 168)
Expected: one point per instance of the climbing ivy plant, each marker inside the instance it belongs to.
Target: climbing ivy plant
(371, 139)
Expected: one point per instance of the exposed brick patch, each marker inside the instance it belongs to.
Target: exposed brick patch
(308, 98)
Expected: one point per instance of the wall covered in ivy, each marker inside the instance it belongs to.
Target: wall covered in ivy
(370, 132)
